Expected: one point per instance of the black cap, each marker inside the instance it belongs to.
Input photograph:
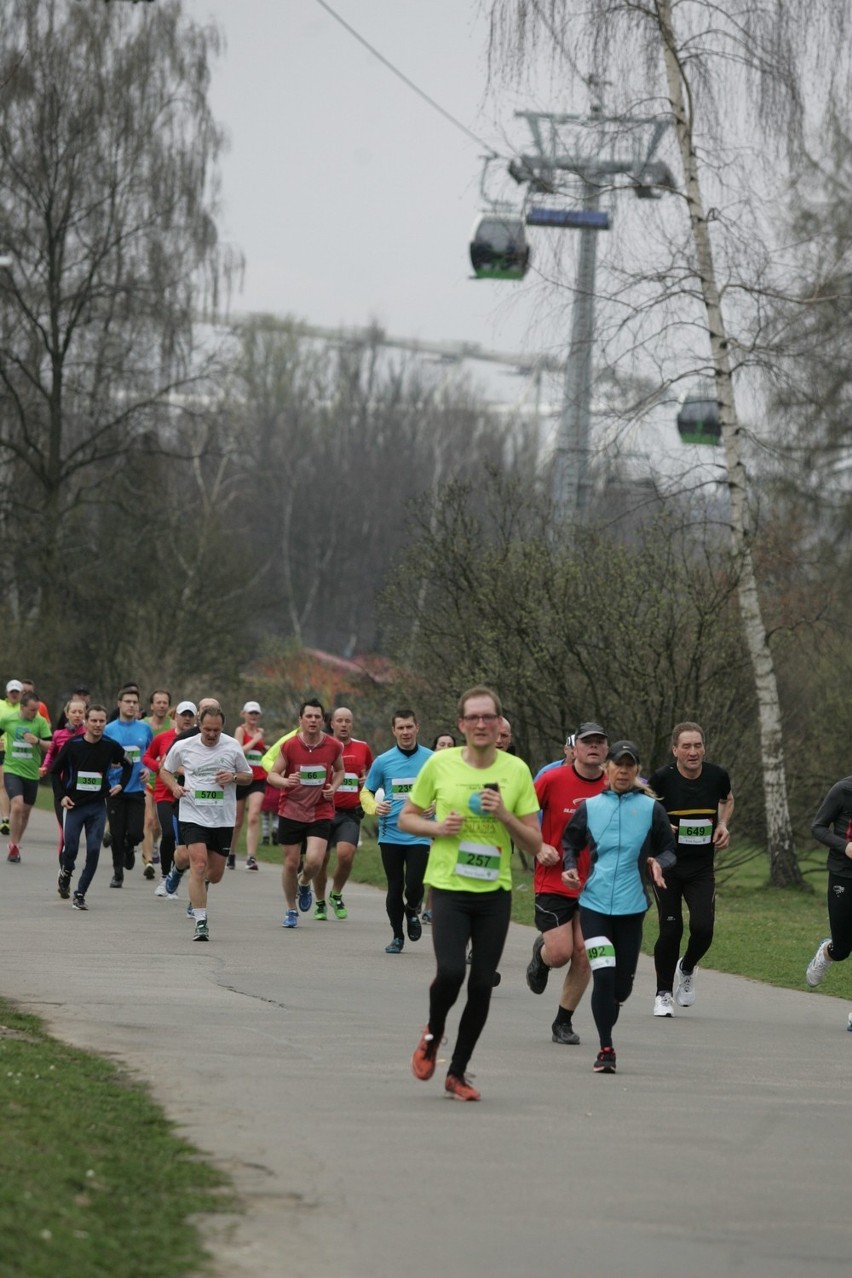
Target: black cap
(621, 748)
(589, 730)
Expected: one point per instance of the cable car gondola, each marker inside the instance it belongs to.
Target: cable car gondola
(698, 416)
(498, 247)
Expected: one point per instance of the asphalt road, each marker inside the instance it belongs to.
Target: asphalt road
(719, 1148)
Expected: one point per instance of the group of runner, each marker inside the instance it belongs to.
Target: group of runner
(602, 838)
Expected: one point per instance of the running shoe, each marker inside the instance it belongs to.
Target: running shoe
(162, 889)
(14, 854)
(306, 897)
(685, 987)
(79, 902)
(4, 827)
(155, 856)
(564, 1032)
(537, 969)
(130, 858)
(291, 919)
(460, 1088)
(425, 1053)
(663, 1005)
(190, 911)
(202, 932)
(426, 916)
(149, 870)
(414, 927)
(251, 863)
(172, 880)
(231, 861)
(116, 882)
(340, 910)
(605, 1063)
(819, 964)
(395, 946)
(107, 839)
(63, 884)
(320, 912)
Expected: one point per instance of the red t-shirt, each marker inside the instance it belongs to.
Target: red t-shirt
(314, 765)
(560, 791)
(255, 754)
(357, 761)
(153, 761)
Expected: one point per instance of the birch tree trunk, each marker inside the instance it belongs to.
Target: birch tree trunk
(784, 866)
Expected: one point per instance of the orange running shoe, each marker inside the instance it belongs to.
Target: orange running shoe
(423, 1060)
(460, 1088)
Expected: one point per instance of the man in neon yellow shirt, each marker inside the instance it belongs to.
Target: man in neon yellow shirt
(484, 801)
(27, 741)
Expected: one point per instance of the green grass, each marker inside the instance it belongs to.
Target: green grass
(95, 1180)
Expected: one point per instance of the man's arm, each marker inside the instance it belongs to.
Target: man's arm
(722, 835)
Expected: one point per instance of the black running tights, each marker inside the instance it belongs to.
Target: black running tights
(405, 865)
(840, 916)
(612, 986)
(699, 893)
(480, 919)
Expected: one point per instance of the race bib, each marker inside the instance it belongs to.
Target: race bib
(208, 796)
(90, 782)
(695, 830)
(21, 749)
(312, 774)
(601, 952)
(349, 784)
(132, 753)
(401, 787)
(478, 861)
(253, 758)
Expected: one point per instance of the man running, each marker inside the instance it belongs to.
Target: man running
(560, 791)
(27, 740)
(126, 808)
(308, 772)
(404, 854)
(832, 826)
(698, 798)
(213, 765)
(158, 720)
(80, 775)
(484, 801)
(164, 800)
(14, 688)
(348, 813)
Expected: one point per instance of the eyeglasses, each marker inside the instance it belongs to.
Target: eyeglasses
(480, 718)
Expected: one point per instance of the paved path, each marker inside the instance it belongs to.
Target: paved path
(720, 1148)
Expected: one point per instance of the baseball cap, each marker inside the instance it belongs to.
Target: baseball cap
(14, 685)
(589, 730)
(624, 747)
(252, 706)
(186, 707)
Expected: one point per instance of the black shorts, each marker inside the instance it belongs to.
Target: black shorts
(20, 787)
(253, 787)
(346, 827)
(215, 838)
(291, 832)
(553, 910)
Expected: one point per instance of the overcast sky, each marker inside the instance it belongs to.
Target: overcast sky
(350, 197)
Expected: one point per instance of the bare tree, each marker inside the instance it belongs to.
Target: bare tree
(718, 72)
(107, 214)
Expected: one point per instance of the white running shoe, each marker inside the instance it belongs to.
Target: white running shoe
(663, 1005)
(162, 890)
(819, 964)
(685, 988)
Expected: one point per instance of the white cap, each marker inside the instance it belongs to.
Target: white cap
(14, 685)
(186, 706)
(252, 706)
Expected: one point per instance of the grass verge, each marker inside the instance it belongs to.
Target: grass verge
(95, 1180)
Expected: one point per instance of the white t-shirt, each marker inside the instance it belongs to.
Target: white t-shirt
(207, 803)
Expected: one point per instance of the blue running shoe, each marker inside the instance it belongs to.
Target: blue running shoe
(172, 880)
(306, 897)
(395, 946)
(291, 919)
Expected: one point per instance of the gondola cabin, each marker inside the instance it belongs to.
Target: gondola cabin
(498, 247)
(698, 416)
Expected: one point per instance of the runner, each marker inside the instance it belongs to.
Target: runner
(80, 777)
(164, 800)
(213, 765)
(404, 855)
(560, 791)
(158, 720)
(629, 840)
(249, 734)
(697, 796)
(14, 688)
(126, 808)
(27, 740)
(833, 827)
(484, 801)
(308, 771)
(73, 716)
(348, 814)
